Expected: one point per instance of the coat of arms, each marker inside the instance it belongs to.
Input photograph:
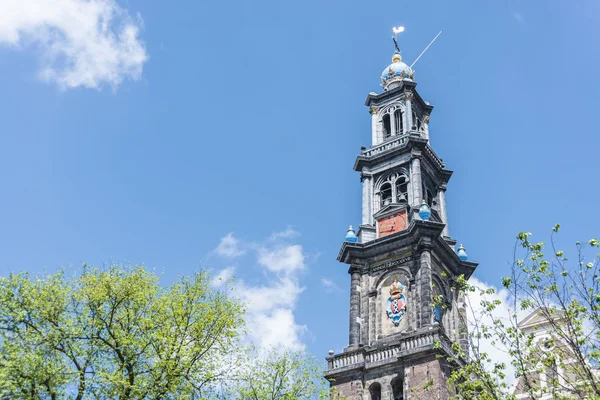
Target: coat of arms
(396, 304)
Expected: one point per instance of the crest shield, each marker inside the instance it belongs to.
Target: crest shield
(396, 303)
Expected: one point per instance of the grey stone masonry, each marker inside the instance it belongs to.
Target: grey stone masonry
(442, 204)
(416, 180)
(424, 281)
(354, 308)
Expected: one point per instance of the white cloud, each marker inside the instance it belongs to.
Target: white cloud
(279, 292)
(229, 247)
(504, 312)
(284, 259)
(277, 329)
(330, 286)
(270, 304)
(84, 43)
(222, 277)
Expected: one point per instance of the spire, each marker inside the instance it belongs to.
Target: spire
(397, 57)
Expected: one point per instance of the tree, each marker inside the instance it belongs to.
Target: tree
(563, 362)
(278, 375)
(113, 333)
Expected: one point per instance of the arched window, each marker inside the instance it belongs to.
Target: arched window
(401, 189)
(387, 126)
(386, 194)
(419, 125)
(437, 316)
(414, 120)
(398, 122)
(375, 391)
(427, 195)
(440, 302)
(397, 389)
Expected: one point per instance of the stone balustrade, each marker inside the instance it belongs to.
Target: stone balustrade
(346, 359)
(398, 141)
(409, 344)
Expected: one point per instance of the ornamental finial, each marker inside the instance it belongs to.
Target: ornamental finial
(351, 235)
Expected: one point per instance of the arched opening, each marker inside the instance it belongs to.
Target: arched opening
(437, 315)
(387, 126)
(375, 391)
(401, 189)
(397, 389)
(386, 194)
(414, 120)
(440, 302)
(427, 195)
(398, 122)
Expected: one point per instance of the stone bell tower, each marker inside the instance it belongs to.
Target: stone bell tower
(401, 258)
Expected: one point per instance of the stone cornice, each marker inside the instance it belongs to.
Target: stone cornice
(401, 145)
(405, 238)
(376, 99)
(391, 209)
(418, 236)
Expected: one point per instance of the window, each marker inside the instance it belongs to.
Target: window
(386, 194)
(375, 391)
(437, 314)
(427, 195)
(414, 120)
(401, 189)
(398, 122)
(397, 389)
(387, 127)
(552, 374)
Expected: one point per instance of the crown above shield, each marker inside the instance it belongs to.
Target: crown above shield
(396, 288)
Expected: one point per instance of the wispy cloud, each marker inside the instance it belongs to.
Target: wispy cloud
(82, 43)
(519, 18)
(229, 247)
(222, 277)
(284, 259)
(288, 233)
(330, 286)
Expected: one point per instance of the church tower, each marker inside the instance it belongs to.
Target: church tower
(401, 258)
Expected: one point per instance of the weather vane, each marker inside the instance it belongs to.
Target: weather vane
(395, 37)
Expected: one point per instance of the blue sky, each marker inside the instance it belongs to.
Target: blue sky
(222, 135)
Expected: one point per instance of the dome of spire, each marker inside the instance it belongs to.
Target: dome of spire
(397, 71)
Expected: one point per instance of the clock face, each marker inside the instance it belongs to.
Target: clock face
(391, 224)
